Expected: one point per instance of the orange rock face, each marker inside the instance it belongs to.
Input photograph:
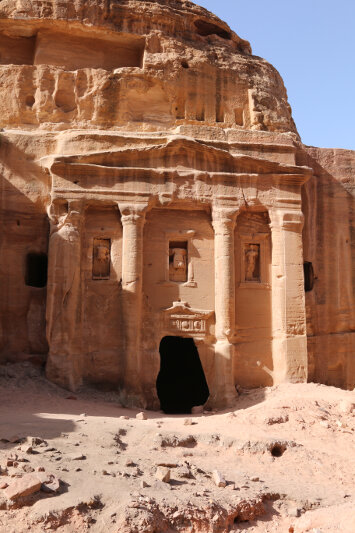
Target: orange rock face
(154, 188)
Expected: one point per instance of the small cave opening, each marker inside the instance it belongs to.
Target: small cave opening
(36, 270)
(30, 101)
(205, 28)
(181, 382)
(277, 450)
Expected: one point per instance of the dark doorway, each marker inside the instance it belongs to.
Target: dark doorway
(181, 382)
(308, 276)
(36, 270)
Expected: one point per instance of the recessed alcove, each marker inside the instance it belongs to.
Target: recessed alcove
(16, 50)
(74, 52)
(70, 50)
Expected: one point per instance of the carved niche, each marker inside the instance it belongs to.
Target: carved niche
(181, 320)
(101, 259)
(252, 262)
(178, 261)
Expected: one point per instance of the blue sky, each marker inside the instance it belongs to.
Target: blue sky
(312, 45)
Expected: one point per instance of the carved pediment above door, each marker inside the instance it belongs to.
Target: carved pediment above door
(182, 320)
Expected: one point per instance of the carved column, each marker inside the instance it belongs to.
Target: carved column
(133, 219)
(224, 225)
(288, 298)
(63, 310)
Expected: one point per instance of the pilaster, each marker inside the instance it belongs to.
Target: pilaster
(288, 298)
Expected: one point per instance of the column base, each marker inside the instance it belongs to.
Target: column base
(290, 360)
(224, 393)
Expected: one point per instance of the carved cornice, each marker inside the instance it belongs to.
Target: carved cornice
(173, 157)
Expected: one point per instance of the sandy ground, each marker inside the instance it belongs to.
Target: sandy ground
(286, 453)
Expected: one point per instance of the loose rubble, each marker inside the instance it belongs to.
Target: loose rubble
(214, 473)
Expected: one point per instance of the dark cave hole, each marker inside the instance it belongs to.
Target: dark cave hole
(277, 450)
(181, 382)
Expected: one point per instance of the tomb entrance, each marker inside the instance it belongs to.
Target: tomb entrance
(181, 382)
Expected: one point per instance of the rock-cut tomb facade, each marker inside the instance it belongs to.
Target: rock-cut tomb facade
(158, 208)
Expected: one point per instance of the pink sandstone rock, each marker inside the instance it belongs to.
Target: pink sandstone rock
(23, 486)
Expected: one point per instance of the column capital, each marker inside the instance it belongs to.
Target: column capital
(224, 218)
(286, 219)
(61, 213)
(132, 213)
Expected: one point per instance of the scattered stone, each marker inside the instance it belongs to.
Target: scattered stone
(254, 479)
(40, 469)
(27, 468)
(143, 484)
(26, 449)
(129, 462)
(141, 416)
(168, 465)
(294, 512)
(36, 441)
(324, 424)
(185, 472)
(218, 479)
(277, 420)
(197, 410)
(174, 441)
(163, 474)
(188, 422)
(24, 486)
(4, 485)
(52, 485)
(124, 417)
(347, 406)
(76, 456)
(83, 415)
(341, 424)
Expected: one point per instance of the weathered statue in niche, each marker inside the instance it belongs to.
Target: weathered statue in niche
(252, 262)
(178, 264)
(101, 259)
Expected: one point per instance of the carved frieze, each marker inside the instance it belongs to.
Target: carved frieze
(181, 320)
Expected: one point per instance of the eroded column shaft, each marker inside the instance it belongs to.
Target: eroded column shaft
(224, 224)
(63, 311)
(133, 220)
